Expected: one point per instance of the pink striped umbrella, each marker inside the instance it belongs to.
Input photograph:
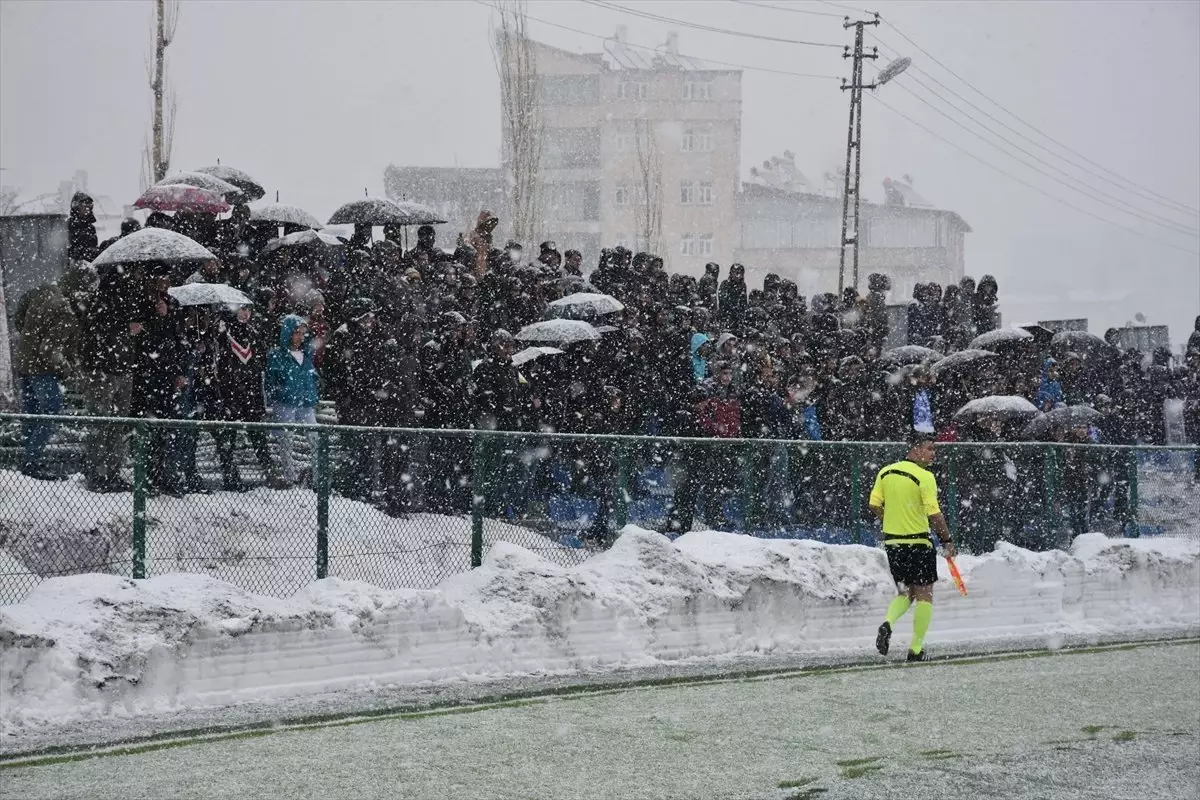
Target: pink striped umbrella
(180, 197)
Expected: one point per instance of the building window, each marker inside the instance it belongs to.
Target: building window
(624, 142)
(687, 244)
(570, 148)
(622, 195)
(696, 140)
(697, 90)
(568, 90)
(706, 244)
(632, 90)
(687, 193)
(704, 193)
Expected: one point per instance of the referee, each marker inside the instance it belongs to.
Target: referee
(905, 498)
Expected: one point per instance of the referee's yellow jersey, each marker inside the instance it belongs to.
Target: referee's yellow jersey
(908, 494)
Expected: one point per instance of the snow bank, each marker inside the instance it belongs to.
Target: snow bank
(96, 646)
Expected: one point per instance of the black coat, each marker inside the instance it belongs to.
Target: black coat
(447, 373)
(239, 362)
(82, 242)
(108, 346)
(161, 358)
(496, 399)
(732, 302)
(353, 373)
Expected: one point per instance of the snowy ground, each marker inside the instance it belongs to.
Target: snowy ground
(1112, 723)
(98, 650)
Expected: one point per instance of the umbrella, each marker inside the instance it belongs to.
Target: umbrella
(962, 359)
(154, 245)
(585, 305)
(530, 353)
(992, 340)
(418, 214)
(202, 181)
(1082, 342)
(1061, 417)
(910, 354)
(371, 211)
(558, 332)
(180, 197)
(280, 214)
(998, 407)
(208, 294)
(251, 188)
(304, 239)
(1040, 333)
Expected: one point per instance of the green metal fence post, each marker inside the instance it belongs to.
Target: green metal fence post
(140, 434)
(1049, 493)
(478, 468)
(952, 497)
(1132, 466)
(622, 504)
(856, 464)
(322, 485)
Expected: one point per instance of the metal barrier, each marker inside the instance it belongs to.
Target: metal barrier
(398, 507)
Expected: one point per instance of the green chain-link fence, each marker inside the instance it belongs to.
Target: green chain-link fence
(408, 508)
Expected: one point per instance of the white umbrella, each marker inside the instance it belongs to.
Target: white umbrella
(282, 214)
(370, 211)
(530, 353)
(1007, 406)
(559, 331)
(208, 294)
(202, 180)
(419, 214)
(585, 305)
(304, 239)
(154, 245)
(989, 340)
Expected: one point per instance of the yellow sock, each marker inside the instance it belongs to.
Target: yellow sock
(896, 608)
(922, 615)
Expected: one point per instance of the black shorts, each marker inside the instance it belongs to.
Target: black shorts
(913, 564)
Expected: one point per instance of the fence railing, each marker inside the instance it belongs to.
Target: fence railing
(401, 507)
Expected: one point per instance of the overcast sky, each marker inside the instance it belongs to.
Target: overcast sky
(317, 98)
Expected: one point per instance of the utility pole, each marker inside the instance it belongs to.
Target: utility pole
(853, 144)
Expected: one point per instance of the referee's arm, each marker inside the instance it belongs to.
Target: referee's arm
(938, 523)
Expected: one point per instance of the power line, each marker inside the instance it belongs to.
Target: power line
(1086, 190)
(1037, 189)
(707, 28)
(1173, 206)
(792, 10)
(1032, 127)
(707, 60)
(851, 9)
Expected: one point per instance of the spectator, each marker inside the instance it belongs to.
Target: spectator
(707, 286)
(82, 241)
(732, 299)
(46, 356)
(1049, 393)
(291, 390)
(984, 305)
(573, 265)
(128, 226)
(158, 383)
(876, 321)
(240, 362)
(353, 376)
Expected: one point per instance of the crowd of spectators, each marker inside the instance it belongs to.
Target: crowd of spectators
(423, 337)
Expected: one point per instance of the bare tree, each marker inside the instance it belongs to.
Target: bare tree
(516, 64)
(649, 164)
(156, 153)
(8, 200)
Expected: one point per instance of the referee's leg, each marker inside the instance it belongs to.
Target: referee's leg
(922, 598)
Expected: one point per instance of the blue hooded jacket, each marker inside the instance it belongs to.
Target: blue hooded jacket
(289, 382)
(1049, 393)
(699, 367)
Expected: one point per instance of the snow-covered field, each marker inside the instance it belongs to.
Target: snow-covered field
(1118, 724)
(103, 648)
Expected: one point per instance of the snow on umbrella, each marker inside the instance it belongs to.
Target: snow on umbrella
(280, 214)
(585, 305)
(962, 360)
(530, 353)
(910, 354)
(370, 211)
(180, 197)
(154, 245)
(997, 407)
(577, 283)
(418, 214)
(1081, 342)
(304, 239)
(999, 338)
(251, 188)
(559, 331)
(203, 181)
(208, 294)
(1061, 417)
